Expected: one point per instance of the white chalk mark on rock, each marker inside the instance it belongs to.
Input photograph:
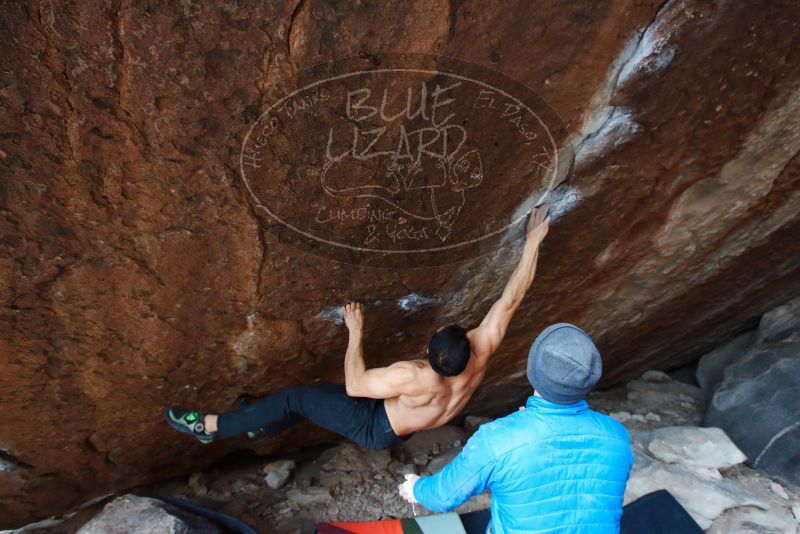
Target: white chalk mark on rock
(408, 304)
(772, 441)
(618, 129)
(563, 200)
(413, 302)
(596, 120)
(7, 462)
(600, 110)
(248, 345)
(646, 51)
(652, 54)
(332, 314)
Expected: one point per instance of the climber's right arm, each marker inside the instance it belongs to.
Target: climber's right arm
(378, 383)
(383, 382)
(487, 336)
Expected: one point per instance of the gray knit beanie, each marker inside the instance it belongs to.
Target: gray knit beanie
(563, 364)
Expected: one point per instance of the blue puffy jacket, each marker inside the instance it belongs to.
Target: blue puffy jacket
(551, 468)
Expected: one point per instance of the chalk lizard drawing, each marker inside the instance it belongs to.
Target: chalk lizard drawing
(443, 192)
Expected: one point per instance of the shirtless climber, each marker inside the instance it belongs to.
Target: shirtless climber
(378, 408)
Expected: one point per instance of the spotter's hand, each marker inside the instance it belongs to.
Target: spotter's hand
(353, 316)
(539, 223)
(406, 489)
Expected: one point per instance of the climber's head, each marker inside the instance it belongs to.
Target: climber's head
(448, 350)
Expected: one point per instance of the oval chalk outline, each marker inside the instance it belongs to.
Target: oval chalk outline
(308, 235)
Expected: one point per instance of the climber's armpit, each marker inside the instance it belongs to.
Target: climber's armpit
(384, 382)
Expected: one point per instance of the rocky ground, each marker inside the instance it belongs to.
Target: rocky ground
(347, 483)
(344, 483)
(703, 470)
(341, 483)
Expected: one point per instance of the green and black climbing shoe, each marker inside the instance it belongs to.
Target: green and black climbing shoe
(246, 400)
(188, 423)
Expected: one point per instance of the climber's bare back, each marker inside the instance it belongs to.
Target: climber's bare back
(431, 400)
(416, 396)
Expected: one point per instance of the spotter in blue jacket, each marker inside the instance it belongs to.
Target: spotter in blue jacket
(551, 468)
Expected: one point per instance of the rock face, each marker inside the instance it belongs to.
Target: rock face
(130, 514)
(139, 272)
(711, 366)
(758, 405)
(780, 322)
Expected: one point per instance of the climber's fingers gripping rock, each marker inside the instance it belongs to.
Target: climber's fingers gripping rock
(353, 316)
(538, 223)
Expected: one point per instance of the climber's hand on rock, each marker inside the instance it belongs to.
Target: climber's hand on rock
(353, 316)
(538, 223)
(407, 488)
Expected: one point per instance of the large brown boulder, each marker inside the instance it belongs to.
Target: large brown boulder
(139, 270)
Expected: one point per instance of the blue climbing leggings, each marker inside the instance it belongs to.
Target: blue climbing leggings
(361, 420)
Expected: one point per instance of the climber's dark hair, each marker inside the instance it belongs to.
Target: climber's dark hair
(448, 350)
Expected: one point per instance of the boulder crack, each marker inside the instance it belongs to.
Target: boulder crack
(603, 106)
(290, 29)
